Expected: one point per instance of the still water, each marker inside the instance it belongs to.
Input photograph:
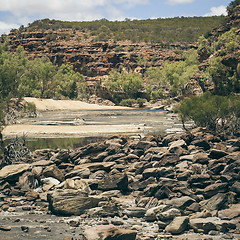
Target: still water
(146, 122)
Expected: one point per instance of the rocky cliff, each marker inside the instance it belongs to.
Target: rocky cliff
(95, 59)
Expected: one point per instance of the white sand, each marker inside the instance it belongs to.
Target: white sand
(62, 131)
(35, 131)
(54, 105)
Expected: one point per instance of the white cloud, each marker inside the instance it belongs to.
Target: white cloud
(175, 2)
(216, 11)
(25, 11)
(6, 27)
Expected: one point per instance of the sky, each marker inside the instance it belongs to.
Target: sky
(14, 13)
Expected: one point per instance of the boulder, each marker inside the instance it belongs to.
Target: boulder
(70, 202)
(82, 173)
(202, 143)
(108, 232)
(135, 212)
(13, 171)
(169, 159)
(117, 181)
(178, 225)
(230, 213)
(144, 145)
(213, 189)
(216, 202)
(181, 202)
(216, 154)
(212, 223)
(55, 172)
(201, 158)
(107, 210)
(151, 214)
(169, 214)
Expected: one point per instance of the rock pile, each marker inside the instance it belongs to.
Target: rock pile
(122, 188)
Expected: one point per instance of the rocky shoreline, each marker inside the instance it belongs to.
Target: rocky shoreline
(178, 186)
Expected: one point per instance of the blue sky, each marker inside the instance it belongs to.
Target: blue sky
(14, 13)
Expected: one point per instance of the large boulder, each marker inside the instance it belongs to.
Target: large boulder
(178, 225)
(55, 172)
(114, 181)
(70, 202)
(13, 171)
(211, 223)
(109, 232)
(216, 202)
(181, 202)
(230, 213)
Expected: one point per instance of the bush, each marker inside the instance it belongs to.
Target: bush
(29, 107)
(156, 94)
(128, 83)
(141, 101)
(214, 112)
(128, 102)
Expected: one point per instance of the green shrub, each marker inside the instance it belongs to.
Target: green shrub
(127, 83)
(214, 112)
(128, 102)
(141, 101)
(29, 107)
(156, 94)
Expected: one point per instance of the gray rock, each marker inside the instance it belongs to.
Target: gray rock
(211, 223)
(213, 189)
(178, 225)
(180, 203)
(117, 181)
(93, 167)
(82, 173)
(230, 213)
(216, 202)
(54, 171)
(50, 180)
(135, 212)
(176, 144)
(151, 214)
(169, 214)
(70, 202)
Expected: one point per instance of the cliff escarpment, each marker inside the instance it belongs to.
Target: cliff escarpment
(95, 48)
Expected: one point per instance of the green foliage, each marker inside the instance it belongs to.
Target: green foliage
(184, 29)
(140, 102)
(69, 83)
(128, 83)
(234, 3)
(156, 94)
(128, 102)
(222, 69)
(214, 112)
(29, 107)
(227, 43)
(37, 78)
(173, 76)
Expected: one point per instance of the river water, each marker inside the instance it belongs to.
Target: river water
(91, 125)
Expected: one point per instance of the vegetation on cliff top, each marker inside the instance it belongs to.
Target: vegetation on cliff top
(178, 29)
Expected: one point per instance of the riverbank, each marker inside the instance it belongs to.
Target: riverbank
(69, 105)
